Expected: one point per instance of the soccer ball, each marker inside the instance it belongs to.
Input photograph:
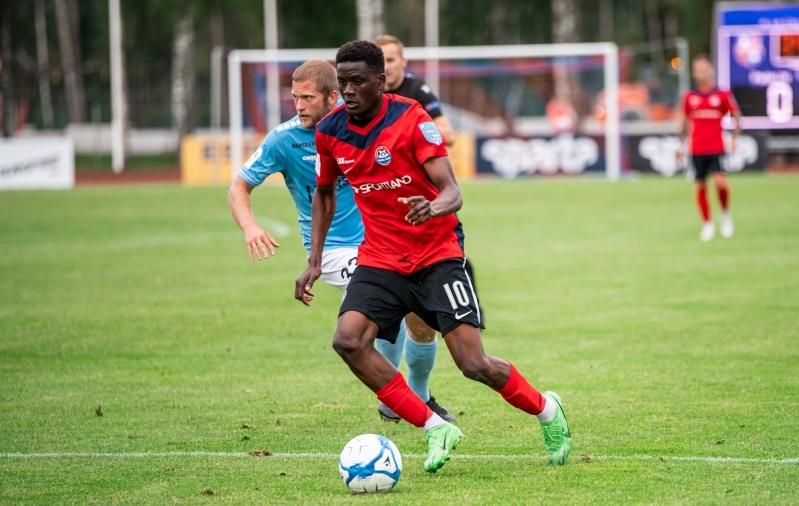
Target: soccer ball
(370, 463)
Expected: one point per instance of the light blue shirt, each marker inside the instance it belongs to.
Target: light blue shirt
(291, 150)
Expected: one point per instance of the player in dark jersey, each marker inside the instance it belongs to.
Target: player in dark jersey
(412, 256)
(408, 85)
(703, 109)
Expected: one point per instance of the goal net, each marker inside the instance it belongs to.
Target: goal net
(517, 110)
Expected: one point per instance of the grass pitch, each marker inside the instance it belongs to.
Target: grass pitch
(678, 361)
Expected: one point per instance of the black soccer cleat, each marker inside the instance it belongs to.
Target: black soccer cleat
(440, 410)
(386, 414)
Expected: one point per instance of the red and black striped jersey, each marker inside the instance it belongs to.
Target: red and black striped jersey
(383, 161)
(706, 110)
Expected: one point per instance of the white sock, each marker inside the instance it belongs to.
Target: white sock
(433, 421)
(550, 410)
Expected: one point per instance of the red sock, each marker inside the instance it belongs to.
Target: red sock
(701, 201)
(400, 399)
(724, 196)
(519, 393)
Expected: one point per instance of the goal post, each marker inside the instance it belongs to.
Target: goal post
(607, 51)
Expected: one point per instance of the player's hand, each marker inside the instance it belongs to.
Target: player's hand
(302, 288)
(420, 209)
(734, 144)
(680, 156)
(259, 243)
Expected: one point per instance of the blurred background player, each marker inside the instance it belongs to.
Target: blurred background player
(704, 107)
(290, 149)
(408, 85)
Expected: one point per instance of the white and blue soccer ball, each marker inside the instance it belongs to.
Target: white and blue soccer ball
(370, 463)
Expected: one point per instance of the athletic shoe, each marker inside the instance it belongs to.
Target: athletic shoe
(441, 440)
(708, 231)
(386, 414)
(557, 437)
(440, 411)
(726, 226)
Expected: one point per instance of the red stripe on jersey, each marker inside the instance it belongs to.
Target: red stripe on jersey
(706, 110)
(382, 162)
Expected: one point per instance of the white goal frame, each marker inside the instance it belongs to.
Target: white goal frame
(431, 55)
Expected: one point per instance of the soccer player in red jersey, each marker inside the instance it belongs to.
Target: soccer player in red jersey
(412, 256)
(704, 108)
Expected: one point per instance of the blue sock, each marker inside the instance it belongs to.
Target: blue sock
(393, 352)
(421, 357)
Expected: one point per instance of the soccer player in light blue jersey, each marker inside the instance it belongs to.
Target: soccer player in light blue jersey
(290, 149)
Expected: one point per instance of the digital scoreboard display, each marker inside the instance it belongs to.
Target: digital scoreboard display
(758, 60)
(789, 46)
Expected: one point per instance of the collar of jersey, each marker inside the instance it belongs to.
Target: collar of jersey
(337, 123)
(712, 90)
(372, 122)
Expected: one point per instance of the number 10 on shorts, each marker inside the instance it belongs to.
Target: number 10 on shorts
(459, 292)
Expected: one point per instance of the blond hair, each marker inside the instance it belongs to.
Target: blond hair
(384, 40)
(320, 72)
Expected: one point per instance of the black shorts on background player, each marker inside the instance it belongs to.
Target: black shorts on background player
(706, 164)
(442, 295)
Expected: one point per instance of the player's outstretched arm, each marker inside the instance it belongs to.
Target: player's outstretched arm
(258, 240)
(323, 209)
(449, 199)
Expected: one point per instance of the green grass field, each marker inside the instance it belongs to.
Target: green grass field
(678, 361)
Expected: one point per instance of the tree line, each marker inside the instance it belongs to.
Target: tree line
(54, 54)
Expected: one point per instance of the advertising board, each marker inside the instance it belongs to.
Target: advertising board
(40, 163)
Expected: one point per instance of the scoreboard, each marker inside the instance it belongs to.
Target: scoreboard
(757, 53)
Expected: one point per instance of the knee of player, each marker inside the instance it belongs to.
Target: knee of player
(422, 336)
(475, 369)
(345, 344)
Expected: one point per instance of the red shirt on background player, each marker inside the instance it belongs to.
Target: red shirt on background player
(412, 257)
(703, 110)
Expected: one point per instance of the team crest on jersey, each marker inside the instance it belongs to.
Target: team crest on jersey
(430, 132)
(714, 101)
(382, 155)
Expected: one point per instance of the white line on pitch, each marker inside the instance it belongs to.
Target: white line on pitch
(412, 456)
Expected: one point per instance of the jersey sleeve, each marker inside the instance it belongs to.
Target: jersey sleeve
(732, 105)
(327, 170)
(430, 102)
(427, 140)
(267, 159)
(685, 109)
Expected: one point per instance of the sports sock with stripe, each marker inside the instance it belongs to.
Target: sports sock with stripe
(421, 357)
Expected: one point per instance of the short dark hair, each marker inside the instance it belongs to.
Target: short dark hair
(365, 51)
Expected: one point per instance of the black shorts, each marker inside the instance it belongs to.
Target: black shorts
(706, 164)
(442, 295)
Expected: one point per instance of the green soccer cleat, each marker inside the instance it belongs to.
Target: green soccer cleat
(557, 437)
(441, 440)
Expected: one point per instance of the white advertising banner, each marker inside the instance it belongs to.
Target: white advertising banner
(39, 163)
